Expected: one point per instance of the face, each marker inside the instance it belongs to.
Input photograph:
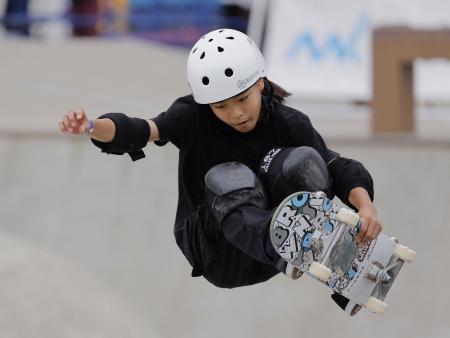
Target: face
(243, 111)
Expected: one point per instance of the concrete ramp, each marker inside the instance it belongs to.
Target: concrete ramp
(43, 295)
(86, 243)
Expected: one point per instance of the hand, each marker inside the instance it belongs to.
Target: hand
(74, 122)
(370, 224)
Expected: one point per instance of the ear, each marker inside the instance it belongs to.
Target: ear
(261, 84)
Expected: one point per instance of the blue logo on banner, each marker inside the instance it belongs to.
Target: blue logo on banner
(343, 48)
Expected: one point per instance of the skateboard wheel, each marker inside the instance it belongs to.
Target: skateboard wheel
(348, 217)
(292, 271)
(320, 271)
(377, 306)
(404, 253)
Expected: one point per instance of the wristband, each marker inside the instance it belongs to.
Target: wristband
(91, 127)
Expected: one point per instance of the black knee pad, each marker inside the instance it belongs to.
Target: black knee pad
(285, 171)
(230, 185)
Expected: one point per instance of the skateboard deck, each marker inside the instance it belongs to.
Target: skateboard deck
(309, 232)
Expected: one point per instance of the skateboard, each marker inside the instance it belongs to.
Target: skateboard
(313, 234)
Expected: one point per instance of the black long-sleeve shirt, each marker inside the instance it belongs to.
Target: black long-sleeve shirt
(205, 141)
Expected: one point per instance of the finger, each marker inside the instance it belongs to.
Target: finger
(81, 129)
(61, 126)
(362, 230)
(379, 230)
(71, 115)
(72, 119)
(371, 230)
(66, 121)
(80, 114)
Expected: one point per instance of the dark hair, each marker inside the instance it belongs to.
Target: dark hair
(274, 91)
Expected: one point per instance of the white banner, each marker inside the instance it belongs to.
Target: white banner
(323, 50)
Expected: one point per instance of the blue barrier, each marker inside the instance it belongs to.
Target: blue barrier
(145, 22)
(151, 20)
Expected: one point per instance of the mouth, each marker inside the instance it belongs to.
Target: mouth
(242, 123)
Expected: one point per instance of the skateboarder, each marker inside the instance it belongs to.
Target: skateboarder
(241, 151)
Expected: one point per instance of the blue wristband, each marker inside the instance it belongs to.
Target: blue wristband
(91, 127)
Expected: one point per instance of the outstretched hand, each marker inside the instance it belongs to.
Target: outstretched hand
(74, 122)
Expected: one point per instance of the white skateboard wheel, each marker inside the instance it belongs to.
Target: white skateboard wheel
(377, 306)
(348, 217)
(292, 271)
(320, 271)
(404, 253)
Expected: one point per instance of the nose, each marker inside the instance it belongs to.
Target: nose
(237, 114)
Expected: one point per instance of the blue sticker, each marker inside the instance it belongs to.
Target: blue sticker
(327, 204)
(307, 240)
(351, 273)
(300, 200)
(328, 227)
(358, 227)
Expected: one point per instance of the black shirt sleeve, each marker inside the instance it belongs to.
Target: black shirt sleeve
(179, 123)
(346, 174)
(301, 132)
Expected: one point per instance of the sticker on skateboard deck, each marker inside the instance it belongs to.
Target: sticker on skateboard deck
(294, 225)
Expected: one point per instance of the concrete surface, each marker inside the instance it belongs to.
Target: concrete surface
(86, 245)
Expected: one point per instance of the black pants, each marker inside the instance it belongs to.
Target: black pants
(239, 251)
(231, 257)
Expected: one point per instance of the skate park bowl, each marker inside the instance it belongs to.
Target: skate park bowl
(86, 243)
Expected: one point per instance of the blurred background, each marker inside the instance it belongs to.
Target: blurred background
(86, 244)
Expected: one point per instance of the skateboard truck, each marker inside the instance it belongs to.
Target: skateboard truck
(377, 273)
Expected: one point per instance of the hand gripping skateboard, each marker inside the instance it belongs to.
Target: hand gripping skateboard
(314, 235)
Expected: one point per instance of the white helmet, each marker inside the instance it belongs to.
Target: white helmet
(222, 64)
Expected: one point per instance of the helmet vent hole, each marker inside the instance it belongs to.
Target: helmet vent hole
(220, 49)
(205, 80)
(202, 56)
(230, 38)
(229, 72)
(210, 40)
(221, 31)
(194, 50)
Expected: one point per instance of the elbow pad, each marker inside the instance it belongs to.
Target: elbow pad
(132, 134)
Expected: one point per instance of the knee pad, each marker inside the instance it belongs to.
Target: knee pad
(230, 185)
(285, 171)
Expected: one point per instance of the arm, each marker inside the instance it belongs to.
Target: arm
(131, 135)
(113, 133)
(154, 132)
(105, 130)
(77, 122)
(352, 182)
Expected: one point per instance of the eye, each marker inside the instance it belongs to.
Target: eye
(243, 98)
